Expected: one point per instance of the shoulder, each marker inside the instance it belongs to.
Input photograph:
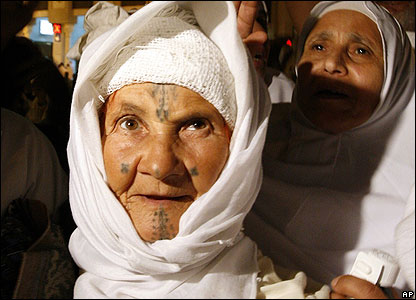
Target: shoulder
(21, 129)
(20, 135)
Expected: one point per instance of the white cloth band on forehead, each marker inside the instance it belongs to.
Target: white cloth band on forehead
(173, 50)
(350, 5)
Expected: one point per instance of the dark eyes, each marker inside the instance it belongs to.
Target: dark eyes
(129, 124)
(318, 47)
(359, 50)
(196, 124)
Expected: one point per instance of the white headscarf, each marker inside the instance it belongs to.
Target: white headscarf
(210, 257)
(346, 192)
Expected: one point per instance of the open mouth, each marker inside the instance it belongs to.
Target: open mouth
(331, 94)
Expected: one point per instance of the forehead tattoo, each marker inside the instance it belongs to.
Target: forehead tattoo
(159, 91)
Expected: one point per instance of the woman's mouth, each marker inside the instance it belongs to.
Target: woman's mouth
(330, 94)
(164, 198)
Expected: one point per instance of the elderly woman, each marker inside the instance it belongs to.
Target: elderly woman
(339, 168)
(168, 122)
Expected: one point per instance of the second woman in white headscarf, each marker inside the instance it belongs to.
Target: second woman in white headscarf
(339, 169)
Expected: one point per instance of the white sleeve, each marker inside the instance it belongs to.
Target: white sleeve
(405, 241)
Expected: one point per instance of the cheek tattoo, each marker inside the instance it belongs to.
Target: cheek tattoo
(194, 171)
(124, 168)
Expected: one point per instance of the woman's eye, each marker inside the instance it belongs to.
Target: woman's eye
(129, 124)
(196, 125)
(361, 51)
(318, 47)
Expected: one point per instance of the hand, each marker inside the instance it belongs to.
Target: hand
(246, 19)
(252, 33)
(348, 286)
(246, 15)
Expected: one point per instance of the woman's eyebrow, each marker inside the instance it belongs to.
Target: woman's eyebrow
(130, 107)
(126, 107)
(360, 39)
(323, 35)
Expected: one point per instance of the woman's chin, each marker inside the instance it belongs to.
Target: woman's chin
(165, 230)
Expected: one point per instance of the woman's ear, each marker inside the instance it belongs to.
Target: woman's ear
(228, 131)
(101, 119)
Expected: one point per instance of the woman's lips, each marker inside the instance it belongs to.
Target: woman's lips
(332, 100)
(159, 199)
(327, 94)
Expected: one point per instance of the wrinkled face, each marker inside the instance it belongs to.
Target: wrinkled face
(340, 73)
(163, 146)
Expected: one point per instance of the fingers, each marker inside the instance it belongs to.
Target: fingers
(337, 296)
(357, 288)
(246, 15)
(257, 37)
(237, 5)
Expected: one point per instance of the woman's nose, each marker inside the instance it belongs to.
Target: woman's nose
(334, 63)
(159, 158)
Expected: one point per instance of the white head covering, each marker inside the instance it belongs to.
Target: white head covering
(99, 18)
(210, 257)
(346, 192)
(170, 48)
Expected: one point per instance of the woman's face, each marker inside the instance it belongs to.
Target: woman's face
(340, 73)
(163, 146)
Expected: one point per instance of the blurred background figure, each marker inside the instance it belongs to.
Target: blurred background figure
(35, 89)
(35, 216)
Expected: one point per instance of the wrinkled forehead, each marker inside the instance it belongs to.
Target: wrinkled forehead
(361, 8)
(320, 12)
(355, 25)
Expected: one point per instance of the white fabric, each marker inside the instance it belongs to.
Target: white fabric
(171, 49)
(100, 18)
(210, 257)
(326, 197)
(351, 5)
(271, 286)
(411, 35)
(30, 167)
(281, 89)
(405, 241)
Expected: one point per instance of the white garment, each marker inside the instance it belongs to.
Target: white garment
(210, 257)
(100, 18)
(326, 197)
(411, 35)
(173, 50)
(405, 241)
(281, 88)
(30, 167)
